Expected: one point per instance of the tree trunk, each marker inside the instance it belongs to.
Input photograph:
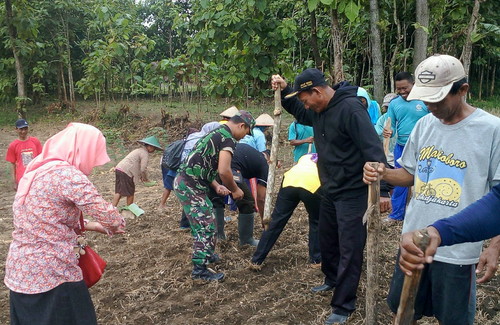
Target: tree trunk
(467, 49)
(266, 216)
(378, 61)
(71, 84)
(493, 75)
(421, 37)
(170, 52)
(21, 85)
(481, 77)
(63, 82)
(314, 41)
(338, 71)
(399, 38)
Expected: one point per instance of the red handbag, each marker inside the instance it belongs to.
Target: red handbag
(91, 263)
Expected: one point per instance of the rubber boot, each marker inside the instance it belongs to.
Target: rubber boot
(219, 221)
(245, 229)
(201, 272)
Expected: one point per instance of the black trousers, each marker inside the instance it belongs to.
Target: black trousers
(342, 238)
(286, 202)
(246, 205)
(67, 304)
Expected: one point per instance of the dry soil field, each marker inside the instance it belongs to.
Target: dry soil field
(147, 280)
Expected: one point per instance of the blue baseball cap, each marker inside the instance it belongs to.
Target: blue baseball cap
(21, 123)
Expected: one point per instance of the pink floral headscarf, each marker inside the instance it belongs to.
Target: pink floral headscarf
(79, 145)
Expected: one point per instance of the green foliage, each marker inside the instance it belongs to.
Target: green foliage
(490, 105)
(115, 61)
(221, 48)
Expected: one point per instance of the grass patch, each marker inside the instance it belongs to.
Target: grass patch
(8, 114)
(490, 104)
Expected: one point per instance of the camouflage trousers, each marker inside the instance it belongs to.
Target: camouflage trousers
(200, 213)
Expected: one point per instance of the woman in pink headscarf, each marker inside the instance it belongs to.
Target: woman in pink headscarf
(42, 273)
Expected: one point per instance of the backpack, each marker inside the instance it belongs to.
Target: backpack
(172, 155)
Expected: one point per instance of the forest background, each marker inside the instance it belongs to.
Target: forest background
(64, 51)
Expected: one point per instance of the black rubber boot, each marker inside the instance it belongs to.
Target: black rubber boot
(245, 229)
(219, 221)
(200, 272)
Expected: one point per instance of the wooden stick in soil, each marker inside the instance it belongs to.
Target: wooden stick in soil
(372, 216)
(273, 159)
(406, 309)
(387, 140)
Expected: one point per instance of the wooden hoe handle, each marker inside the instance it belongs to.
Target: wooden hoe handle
(406, 309)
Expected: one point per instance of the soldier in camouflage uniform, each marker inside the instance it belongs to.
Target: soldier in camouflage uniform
(210, 157)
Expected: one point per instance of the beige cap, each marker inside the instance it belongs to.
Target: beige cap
(388, 98)
(264, 120)
(230, 112)
(435, 77)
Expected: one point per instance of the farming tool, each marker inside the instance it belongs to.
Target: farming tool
(266, 219)
(406, 309)
(372, 217)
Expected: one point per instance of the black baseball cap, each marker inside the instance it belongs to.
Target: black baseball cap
(308, 79)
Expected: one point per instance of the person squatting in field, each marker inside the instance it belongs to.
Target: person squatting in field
(345, 138)
(41, 271)
(448, 174)
(210, 157)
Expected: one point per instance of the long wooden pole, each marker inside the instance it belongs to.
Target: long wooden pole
(406, 309)
(372, 217)
(387, 140)
(273, 159)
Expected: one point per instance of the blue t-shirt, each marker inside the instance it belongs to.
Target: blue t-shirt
(298, 131)
(257, 141)
(379, 128)
(404, 115)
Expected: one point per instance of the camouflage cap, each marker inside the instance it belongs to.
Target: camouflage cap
(247, 118)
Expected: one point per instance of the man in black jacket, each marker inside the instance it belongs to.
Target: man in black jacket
(345, 139)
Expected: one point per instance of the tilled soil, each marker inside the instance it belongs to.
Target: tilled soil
(147, 280)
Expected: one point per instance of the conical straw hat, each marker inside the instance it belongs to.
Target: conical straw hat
(230, 112)
(264, 120)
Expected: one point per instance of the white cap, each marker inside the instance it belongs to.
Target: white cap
(264, 120)
(388, 98)
(435, 76)
(230, 112)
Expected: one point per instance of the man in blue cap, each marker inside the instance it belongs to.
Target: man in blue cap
(21, 151)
